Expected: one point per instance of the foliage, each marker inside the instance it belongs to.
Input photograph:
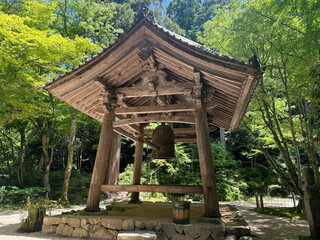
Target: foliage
(190, 15)
(30, 56)
(184, 169)
(11, 195)
(78, 186)
(40, 40)
(280, 113)
(231, 185)
(167, 23)
(87, 18)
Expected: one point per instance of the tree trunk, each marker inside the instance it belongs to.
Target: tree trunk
(67, 173)
(257, 199)
(20, 170)
(296, 149)
(307, 127)
(271, 161)
(43, 126)
(40, 165)
(294, 199)
(261, 202)
(281, 144)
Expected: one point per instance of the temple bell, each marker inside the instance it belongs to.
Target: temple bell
(163, 137)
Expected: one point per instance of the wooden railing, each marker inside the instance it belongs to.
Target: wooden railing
(152, 188)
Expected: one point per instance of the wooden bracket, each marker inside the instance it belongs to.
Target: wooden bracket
(109, 100)
(101, 83)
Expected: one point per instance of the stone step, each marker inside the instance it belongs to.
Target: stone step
(137, 235)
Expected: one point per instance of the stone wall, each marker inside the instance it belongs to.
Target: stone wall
(109, 228)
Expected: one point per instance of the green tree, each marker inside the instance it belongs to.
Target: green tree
(190, 15)
(88, 19)
(31, 55)
(277, 32)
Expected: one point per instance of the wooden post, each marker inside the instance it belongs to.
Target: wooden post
(103, 155)
(211, 200)
(137, 167)
(112, 172)
(222, 137)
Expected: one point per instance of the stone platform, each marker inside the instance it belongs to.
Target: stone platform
(148, 219)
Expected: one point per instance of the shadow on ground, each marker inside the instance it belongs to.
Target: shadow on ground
(267, 227)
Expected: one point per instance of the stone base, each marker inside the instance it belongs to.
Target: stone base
(117, 224)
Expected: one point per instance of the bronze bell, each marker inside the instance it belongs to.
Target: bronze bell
(163, 138)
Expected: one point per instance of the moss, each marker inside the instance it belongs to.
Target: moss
(281, 212)
(36, 212)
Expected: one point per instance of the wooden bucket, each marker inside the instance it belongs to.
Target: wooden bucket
(181, 212)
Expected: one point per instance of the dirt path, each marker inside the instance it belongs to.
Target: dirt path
(267, 227)
(10, 222)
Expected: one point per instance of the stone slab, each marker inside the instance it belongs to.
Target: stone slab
(137, 235)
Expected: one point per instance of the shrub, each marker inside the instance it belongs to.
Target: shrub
(14, 195)
(78, 186)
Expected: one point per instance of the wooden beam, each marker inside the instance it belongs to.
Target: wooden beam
(126, 134)
(156, 118)
(155, 109)
(164, 89)
(152, 188)
(134, 128)
(180, 131)
(185, 140)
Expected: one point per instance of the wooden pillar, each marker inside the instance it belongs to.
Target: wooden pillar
(102, 157)
(112, 172)
(137, 167)
(222, 137)
(211, 200)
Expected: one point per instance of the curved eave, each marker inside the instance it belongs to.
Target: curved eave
(234, 80)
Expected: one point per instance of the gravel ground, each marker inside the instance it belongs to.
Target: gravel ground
(10, 222)
(265, 227)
